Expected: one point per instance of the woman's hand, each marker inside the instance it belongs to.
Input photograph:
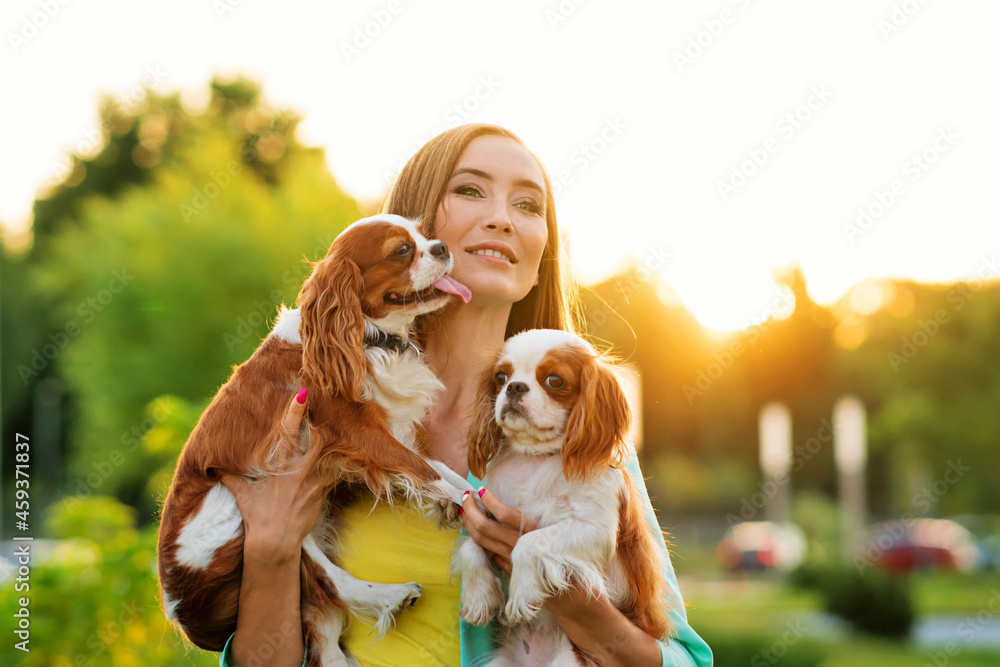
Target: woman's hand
(496, 537)
(594, 626)
(281, 509)
(278, 512)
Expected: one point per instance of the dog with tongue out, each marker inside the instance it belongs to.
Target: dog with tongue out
(346, 347)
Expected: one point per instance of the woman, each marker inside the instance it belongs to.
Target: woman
(478, 189)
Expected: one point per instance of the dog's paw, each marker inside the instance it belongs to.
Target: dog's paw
(482, 595)
(480, 607)
(440, 504)
(393, 599)
(407, 596)
(520, 610)
(478, 613)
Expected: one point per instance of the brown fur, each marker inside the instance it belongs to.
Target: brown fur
(598, 424)
(485, 435)
(349, 441)
(600, 417)
(637, 553)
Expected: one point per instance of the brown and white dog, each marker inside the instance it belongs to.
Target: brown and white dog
(368, 391)
(551, 421)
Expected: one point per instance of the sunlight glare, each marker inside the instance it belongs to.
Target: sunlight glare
(730, 295)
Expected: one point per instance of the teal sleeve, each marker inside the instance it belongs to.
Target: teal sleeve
(686, 647)
(476, 641)
(224, 656)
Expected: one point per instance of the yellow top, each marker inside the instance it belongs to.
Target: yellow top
(395, 545)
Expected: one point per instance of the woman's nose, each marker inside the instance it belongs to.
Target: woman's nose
(500, 219)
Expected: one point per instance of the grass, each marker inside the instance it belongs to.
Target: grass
(877, 653)
(764, 608)
(953, 593)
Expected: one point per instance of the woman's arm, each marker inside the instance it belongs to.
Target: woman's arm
(278, 512)
(597, 628)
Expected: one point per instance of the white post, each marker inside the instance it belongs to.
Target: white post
(775, 459)
(850, 452)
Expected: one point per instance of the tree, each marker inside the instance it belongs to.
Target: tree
(161, 285)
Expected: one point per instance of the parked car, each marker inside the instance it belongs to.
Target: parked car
(902, 546)
(762, 545)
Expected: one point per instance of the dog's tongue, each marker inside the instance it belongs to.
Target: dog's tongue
(452, 286)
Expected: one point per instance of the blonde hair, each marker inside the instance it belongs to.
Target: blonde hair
(419, 189)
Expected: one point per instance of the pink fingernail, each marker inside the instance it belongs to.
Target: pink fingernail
(481, 492)
(461, 511)
(465, 495)
(301, 396)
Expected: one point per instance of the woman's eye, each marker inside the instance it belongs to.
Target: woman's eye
(501, 379)
(530, 206)
(468, 191)
(403, 250)
(554, 382)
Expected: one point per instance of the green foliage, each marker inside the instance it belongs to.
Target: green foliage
(874, 603)
(99, 519)
(760, 650)
(163, 442)
(94, 596)
(170, 282)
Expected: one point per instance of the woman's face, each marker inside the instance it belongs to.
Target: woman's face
(492, 217)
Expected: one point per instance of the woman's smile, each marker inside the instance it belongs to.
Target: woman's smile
(500, 253)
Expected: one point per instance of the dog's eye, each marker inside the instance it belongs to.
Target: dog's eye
(554, 382)
(501, 379)
(403, 250)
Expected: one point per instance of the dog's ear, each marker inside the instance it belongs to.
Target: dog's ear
(598, 423)
(485, 436)
(332, 328)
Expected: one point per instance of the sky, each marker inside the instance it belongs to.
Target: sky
(710, 142)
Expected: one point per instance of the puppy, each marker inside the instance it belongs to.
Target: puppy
(368, 390)
(551, 420)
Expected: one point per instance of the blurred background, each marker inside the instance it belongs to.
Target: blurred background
(782, 216)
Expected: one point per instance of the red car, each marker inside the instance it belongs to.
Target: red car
(902, 546)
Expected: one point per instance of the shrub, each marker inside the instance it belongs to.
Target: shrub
(94, 598)
(874, 603)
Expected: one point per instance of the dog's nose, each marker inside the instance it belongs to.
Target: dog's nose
(517, 389)
(440, 250)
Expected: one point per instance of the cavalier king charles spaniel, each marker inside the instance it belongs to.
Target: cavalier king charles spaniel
(348, 344)
(551, 421)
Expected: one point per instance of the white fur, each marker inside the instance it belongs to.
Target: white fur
(576, 540)
(374, 602)
(286, 327)
(578, 520)
(405, 387)
(216, 522)
(425, 270)
(169, 605)
(543, 428)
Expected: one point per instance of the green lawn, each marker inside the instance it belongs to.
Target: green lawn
(762, 623)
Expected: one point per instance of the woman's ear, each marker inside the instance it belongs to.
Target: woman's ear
(598, 424)
(485, 436)
(332, 328)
